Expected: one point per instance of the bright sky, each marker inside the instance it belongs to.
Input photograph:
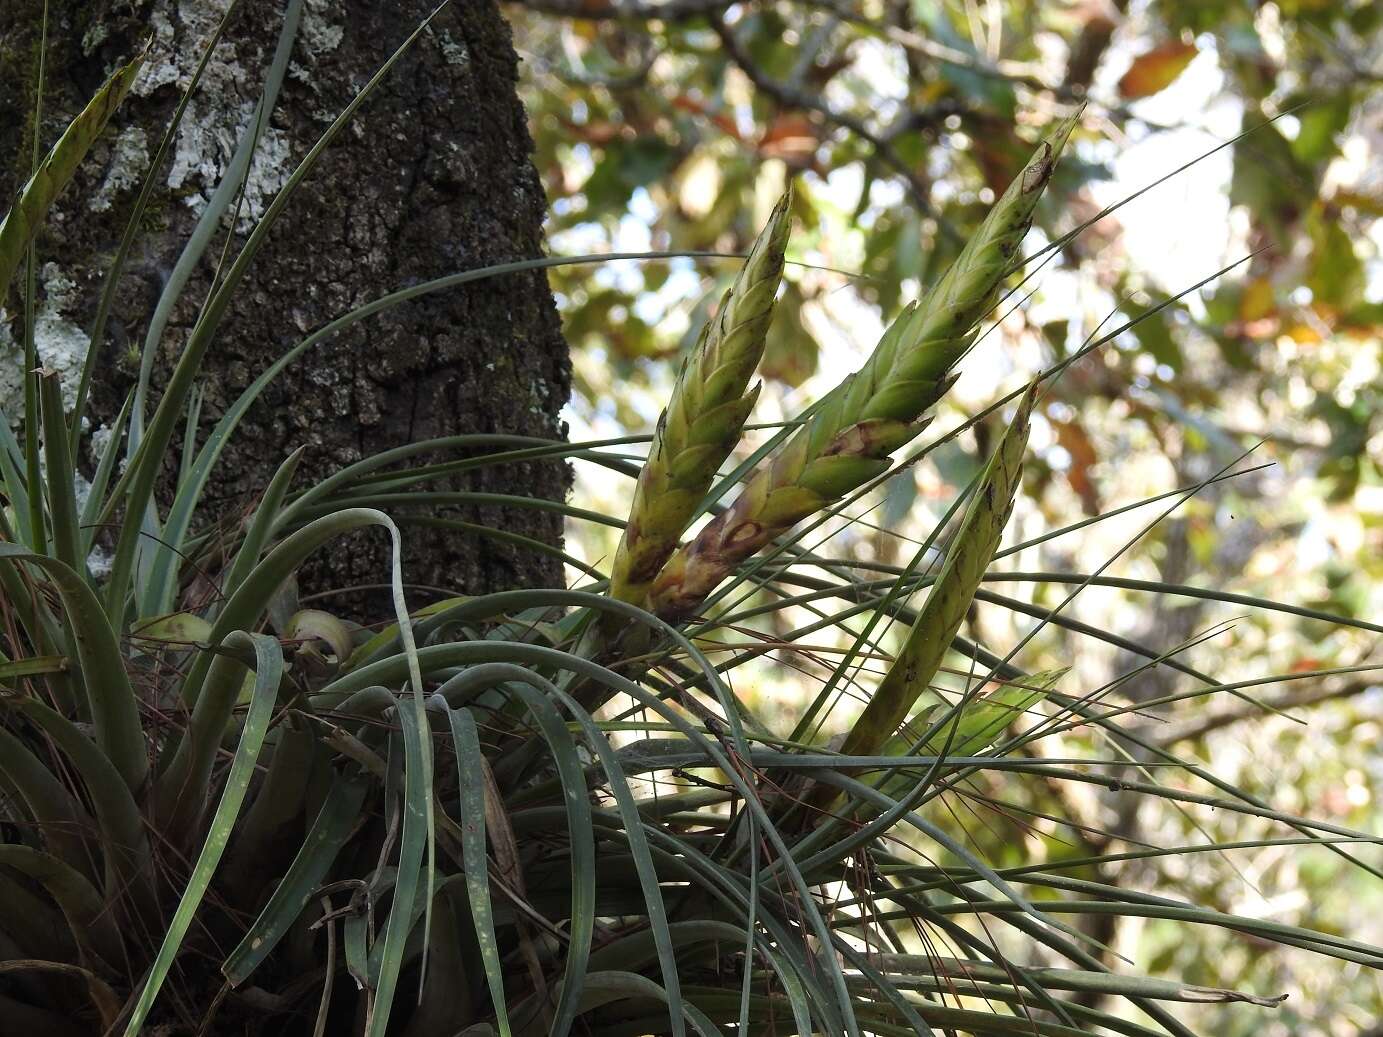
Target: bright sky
(1181, 231)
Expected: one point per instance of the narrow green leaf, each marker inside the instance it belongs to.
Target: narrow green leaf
(285, 794)
(32, 667)
(82, 905)
(643, 860)
(1074, 980)
(15, 484)
(103, 998)
(100, 667)
(386, 957)
(470, 768)
(57, 815)
(100, 481)
(332, 827)
(23, 221)
(181, 790)
(61, 475)
(129, 863)
(268, 673)
(634, 832)
(838, 1007)
(583, 867)
(603, 988)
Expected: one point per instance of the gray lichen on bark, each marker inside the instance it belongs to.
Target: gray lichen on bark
(434, 177)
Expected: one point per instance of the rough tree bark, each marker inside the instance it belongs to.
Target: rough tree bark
(433, 177)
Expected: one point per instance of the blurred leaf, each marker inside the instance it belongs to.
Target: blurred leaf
(1076, 441)
(790, 352)
(1154, 333)
(765, 33)
(605, 319)
(899, 498)
(698, 186)
(1318, 126)
(999, 153)
(1369, 204)
(1267, 178)
(1337, 275)
(988, 92)
(1303, 333)
(1156, 69)
(956, 465)
(625, 165)
(792, 137)
(1197, 15)
(1222, 304)
(1055, 333)
(1349, 433)
(1258, 300)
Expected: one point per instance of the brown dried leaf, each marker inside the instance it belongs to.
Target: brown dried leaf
(1156, 70)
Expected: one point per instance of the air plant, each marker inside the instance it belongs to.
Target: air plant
(249, 807)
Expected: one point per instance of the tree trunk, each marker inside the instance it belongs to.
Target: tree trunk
(434, 176)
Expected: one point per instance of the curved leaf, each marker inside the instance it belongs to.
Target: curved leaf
(101, 668)
(22, 223)
(268, 671)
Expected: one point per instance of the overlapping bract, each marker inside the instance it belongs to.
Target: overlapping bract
(705, 416)
(952, 594)
(849, 439)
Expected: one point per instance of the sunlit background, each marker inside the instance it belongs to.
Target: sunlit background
(897, 121)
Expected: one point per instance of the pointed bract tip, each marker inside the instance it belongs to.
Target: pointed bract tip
(1043, 162)
(1061, 132)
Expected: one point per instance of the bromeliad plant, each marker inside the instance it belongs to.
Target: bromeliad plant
(541, 809)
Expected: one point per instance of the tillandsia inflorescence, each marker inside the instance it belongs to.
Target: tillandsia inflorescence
(705, 416)
(952, 594)
(875, 411)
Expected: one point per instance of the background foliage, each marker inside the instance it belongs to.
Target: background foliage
(673, 126)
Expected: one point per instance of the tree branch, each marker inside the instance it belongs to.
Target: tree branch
(637, 10)
(689, 10)
(792, 97)
(1248, 711)
(1089, 47)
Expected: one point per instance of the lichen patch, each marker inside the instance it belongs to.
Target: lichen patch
(61, 344)
(11, 386)
(223, 109)
(128, 163)
(318, 34)
(453, 50)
